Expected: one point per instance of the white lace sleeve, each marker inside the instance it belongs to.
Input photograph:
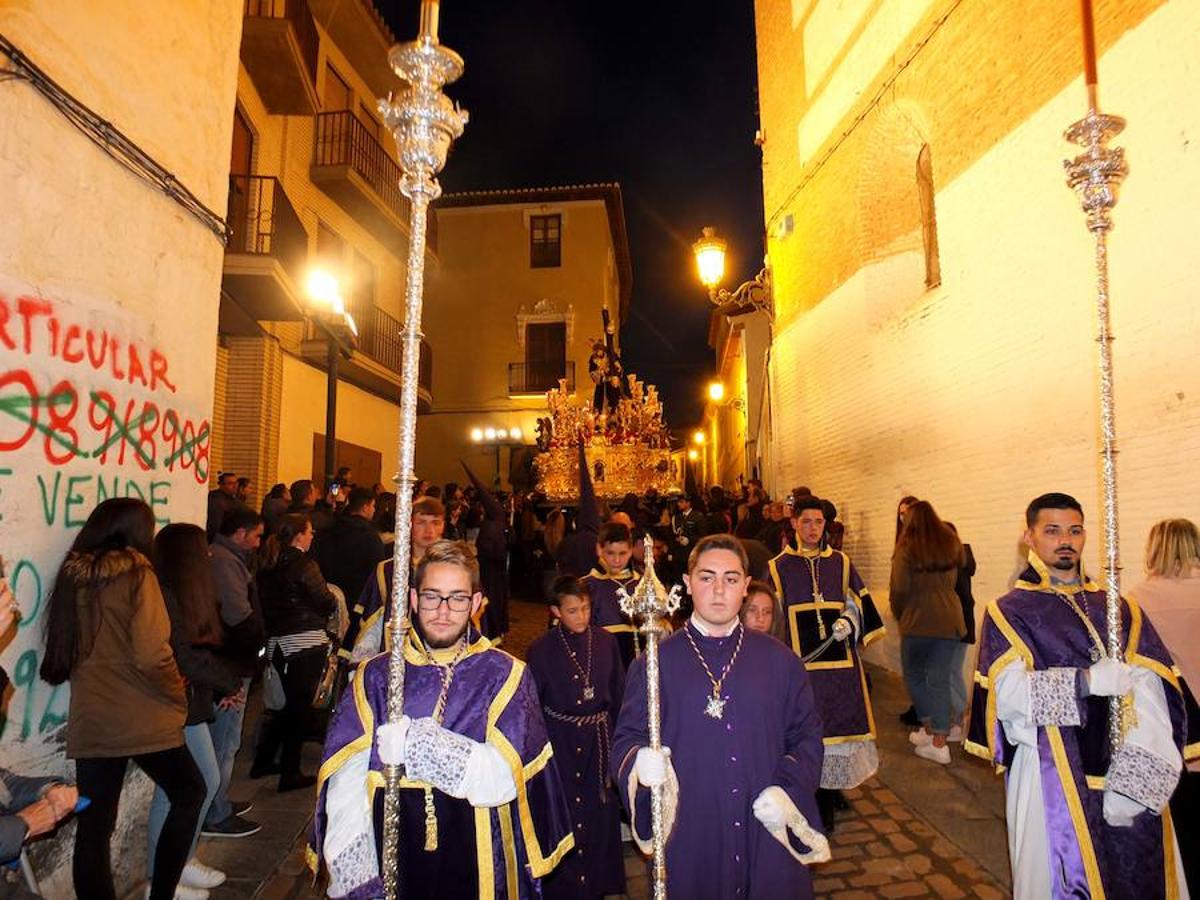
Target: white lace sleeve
(349, 848)
(1146, 767)
(438, 756)
(1053, 698)
(853, 612)
(369, 642)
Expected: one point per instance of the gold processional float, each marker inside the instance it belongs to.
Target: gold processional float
(625, 438)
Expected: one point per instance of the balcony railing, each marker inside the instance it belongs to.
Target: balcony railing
(539, 377)
(262, 222)
(280, 46)
(342, 140)
(379, 338)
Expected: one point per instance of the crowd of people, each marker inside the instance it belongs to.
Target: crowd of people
(519, 773)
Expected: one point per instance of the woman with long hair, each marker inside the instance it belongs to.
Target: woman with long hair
(107, 631)
(1170, 597)
(929, 614)
(296, 604)
(185, 575)
(902, 508)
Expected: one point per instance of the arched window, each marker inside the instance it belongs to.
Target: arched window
(933, 268)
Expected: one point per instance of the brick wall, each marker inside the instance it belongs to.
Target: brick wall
(253, 394)
(980, 394)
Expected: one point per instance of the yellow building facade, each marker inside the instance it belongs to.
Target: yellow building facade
(513, 308)
(314, 186)
(934, 280)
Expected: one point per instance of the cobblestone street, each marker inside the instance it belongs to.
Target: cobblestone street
(915, 830)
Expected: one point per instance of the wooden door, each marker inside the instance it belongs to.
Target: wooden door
(241, 157)
(545, 355)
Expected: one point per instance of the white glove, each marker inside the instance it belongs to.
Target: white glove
(842, 628)
(1109, 678)
(650, 766)
(390, 740)
(1119, 810)
(772, 807)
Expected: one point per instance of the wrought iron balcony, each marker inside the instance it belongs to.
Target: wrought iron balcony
(352, 166)
(376, 363)
(267, 250)
(279, 48)
(539, 377)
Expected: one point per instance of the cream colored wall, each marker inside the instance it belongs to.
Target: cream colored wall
(362, 419)
(470, 319)
(105, 251)
(980, 394)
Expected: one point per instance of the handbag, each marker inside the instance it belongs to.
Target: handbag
(324, 693)
(274, 697)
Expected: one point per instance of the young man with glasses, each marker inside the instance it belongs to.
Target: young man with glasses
(482, 809)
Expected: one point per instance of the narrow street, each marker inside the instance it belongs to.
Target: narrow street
(915, 830)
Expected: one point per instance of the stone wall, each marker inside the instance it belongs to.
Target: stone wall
(981, 393)
(105, 285)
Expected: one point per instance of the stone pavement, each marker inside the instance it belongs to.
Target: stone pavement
(915, 830)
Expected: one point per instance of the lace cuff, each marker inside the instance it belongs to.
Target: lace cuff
(438, 756)
(1052, 697)
(354, 873)
(1143, 776)
(848, 765)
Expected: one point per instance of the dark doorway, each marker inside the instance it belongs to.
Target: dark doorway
(545, 355)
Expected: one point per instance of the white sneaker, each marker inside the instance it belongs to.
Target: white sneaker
(933, 754)
(956, 734)
(183, 892)
(197, 875)
(919, 738)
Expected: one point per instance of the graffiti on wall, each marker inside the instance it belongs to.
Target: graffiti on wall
(90, 408)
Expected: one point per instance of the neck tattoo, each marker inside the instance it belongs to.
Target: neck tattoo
(589, 692)
(715, 707)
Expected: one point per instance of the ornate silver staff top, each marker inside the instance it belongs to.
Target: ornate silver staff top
(424, 123)
(1095, 175)
(649, 602)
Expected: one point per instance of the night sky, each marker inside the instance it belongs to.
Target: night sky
(658, 95)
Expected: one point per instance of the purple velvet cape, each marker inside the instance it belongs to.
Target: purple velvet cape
(498, 852)
(374, 601)
(597, 865)
(606, 607)
(1090, 857)
(838, 680)
(770, 735)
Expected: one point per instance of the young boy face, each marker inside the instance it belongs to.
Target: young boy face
(575, 613)
(614, 556)
(717, 584)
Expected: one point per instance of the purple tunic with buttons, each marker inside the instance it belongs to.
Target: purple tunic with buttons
(580, 727)
(769, 734)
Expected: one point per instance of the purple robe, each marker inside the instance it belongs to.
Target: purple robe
(1087, 856)
(838, 679)
(374, 601)
(770, 734)
(606, 608)
(498, 852)
(582, 747)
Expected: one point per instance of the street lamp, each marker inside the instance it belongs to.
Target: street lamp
(698, 437)
(693, 454)
(324, 296)
(716, 391)
(709, 251)
(491, 436)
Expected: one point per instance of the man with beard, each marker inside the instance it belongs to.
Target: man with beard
(482, 813)
(1083, 820)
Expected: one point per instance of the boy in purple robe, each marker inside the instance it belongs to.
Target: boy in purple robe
(581, 679)
(482, 812)
(830, 617)
(367, 633)
(1083, 821)
(614, 547)
(741, 757)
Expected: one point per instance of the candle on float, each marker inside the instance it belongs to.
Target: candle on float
(1089, 52)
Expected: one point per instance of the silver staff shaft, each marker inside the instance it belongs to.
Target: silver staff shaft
(1096, 175)
(654, 707)
(424, 123)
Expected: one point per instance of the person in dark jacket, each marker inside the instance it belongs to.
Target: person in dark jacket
(297, 604)
(959, 691)
(233, 562)
(274, 505)
(220, 501)
(351, 549)
(181, 561)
